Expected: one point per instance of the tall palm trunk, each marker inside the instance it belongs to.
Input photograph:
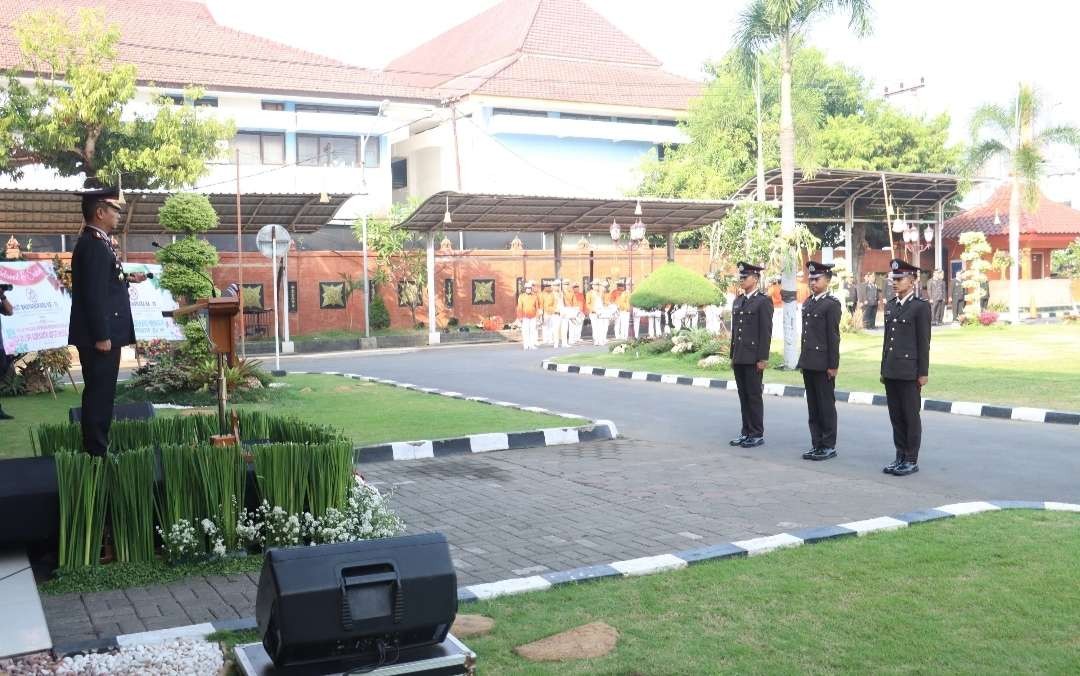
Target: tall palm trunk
(787, 214)
(1014, 250)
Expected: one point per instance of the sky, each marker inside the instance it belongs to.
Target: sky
(969, 51)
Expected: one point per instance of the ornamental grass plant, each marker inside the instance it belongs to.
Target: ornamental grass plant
(181, 494)
(330, 478)
(81, 481)
(223, 477)
(282, 472)
(131, 503)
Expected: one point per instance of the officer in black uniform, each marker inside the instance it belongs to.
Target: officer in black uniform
(100, 312)
(751, 335)
(820, 359)
(905, 365)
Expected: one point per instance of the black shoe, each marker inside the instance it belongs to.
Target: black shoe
(738, 441)
(823, 454)
(6, 416)
(751, 442)
(905, 468)
(888, 469)
(809, 455)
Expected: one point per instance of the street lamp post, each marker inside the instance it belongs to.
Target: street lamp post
(913, 240)
(635, 237)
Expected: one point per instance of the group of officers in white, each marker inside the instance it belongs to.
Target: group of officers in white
(556, 315)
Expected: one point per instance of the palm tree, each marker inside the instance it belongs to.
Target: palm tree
(1008, 132)
(784, 22)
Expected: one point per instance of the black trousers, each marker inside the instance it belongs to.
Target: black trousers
(905, 402)
(821, 405)
(99, 371)
(938, 307)
(869, 316)
(748, 379)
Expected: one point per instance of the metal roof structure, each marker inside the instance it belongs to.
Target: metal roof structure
(536, 213)
(57, 211)
(830, 189)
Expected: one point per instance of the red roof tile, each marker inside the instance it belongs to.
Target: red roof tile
(177, 43)
(559, 50)
(1049, 217)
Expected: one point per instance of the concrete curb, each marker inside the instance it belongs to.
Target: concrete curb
(593, 430)
(646, 565)
(968, 408)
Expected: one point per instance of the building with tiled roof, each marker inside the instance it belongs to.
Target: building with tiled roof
(551, 98)
(1049, 226)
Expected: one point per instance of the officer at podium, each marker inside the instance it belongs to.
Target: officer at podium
(100, 321)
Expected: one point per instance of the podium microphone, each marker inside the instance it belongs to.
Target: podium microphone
(213, 289)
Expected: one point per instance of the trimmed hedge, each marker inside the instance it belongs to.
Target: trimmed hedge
(675, 285)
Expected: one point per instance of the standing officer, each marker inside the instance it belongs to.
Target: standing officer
(820, 359)
(905, 365)
(5, 309)
(869, 295)
(751, 336)
(958, 292)
(100, 312)
(937, 297)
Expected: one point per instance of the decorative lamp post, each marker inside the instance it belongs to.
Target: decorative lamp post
(635, 237)
(913, 239)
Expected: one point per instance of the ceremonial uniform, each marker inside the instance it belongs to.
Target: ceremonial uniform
(869, 295)
(905, 357)
(751, 335)
(622, 302)
(937, 299)
(528, 308)
(598, 314)
(583, 310)
(100, 310)
(820, 353)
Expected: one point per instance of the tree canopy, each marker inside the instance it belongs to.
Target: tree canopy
(75, 116)
(674, 285)
(839, 124)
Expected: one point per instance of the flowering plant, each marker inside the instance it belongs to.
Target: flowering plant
(681, 344)
(180, 542)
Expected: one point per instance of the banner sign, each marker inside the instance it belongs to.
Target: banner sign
(42, 308)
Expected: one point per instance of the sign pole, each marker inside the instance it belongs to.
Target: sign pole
(273, 272)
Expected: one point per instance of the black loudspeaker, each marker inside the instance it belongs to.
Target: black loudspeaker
(142, 410)
(358, 603)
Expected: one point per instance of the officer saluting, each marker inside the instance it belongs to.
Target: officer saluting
(905, 364)
(100, 312)
(820, 359)
(751, 336)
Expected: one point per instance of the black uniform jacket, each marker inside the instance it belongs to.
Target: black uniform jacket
(905, 353)
(820, 334)
(751, 328)
(100, 305)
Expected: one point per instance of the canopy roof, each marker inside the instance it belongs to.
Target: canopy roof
(534, 213)
(57, 212)
(992, 217)
(831, 188)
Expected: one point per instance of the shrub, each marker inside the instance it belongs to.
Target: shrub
(378, 313)
(675, 285)
(714, 361)
(987, 318)
(188, 212)
(715, 346)
(658, 345)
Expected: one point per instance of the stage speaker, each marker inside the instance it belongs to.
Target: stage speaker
(358, 603)
(142, 410)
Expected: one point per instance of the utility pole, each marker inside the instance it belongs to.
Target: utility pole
(453, 125)
(903, 89)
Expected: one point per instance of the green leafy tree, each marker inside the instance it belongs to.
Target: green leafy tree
(189, 214)
(1009, 132)
(784, 23)
(349, 286)
(399, 255)
(1066, 262)
(71, 116)
(745, 233)
(673, 284)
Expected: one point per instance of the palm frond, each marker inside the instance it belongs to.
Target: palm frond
(1029, 103)
(1028, 163)
(999, 119)
(1064, 135)
(1029, 195)
(981, 153)
(754, 32)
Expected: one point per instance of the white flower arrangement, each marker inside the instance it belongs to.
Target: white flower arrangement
(619, 349)
(681, 344)
(180, 542)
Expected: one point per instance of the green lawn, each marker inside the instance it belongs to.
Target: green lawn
(368, 413)
(996, 593)
(1025, 366)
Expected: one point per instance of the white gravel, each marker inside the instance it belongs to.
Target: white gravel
(169, 658)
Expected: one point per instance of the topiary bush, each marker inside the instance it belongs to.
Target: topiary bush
(379, 315)
(675, 285)
(189, 213)
(658, 345)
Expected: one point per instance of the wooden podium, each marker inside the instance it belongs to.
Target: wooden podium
(220, 313)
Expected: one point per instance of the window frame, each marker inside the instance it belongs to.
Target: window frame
(359, 149)
(261, 136)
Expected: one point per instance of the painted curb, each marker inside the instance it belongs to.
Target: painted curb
(593, 430)
(968, 408)
(646, 565)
